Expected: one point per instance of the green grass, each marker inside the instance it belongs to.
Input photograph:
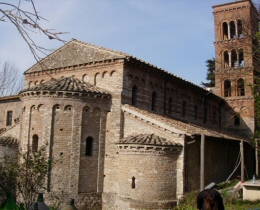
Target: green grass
(231, 201)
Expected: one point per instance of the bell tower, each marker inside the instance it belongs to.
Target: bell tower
(236, 24)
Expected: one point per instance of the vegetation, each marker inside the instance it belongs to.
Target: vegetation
(210, 63)
(231, 201)
(25, 175)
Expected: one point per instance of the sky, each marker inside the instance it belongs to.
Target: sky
(175, 35)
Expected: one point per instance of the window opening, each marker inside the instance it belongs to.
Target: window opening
(232, 30)
(227, 88)
(225, 31)
(226, 59)
(239, 29)
(134, 96)
(240, 87)
(241, 58)
(9, 118)
(170, 105)
(35, 141)
(89, 146)
(154, 101)
(184, 109)
(234, 62)
(133, 182)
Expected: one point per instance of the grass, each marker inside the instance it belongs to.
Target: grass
(231, 201)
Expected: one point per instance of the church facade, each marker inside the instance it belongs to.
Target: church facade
(128, 134)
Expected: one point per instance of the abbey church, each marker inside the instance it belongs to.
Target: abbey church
(132, 135)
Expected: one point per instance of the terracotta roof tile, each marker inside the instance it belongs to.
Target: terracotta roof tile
(8, 140)
(66, 84)
(147, 139)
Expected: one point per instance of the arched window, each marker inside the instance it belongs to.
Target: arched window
(241, 62)
(195, 112)
(234, 62)
(236, 119)
(89, 146)
(226, 59)
(225, 31)
(134, 96)
(133, 182)
(35, 141)
(170, 106)
(240, 87)
(239, 29)
(232, 30)
(184, 109)
(154, 101)
(227, 88)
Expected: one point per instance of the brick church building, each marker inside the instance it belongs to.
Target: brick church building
(132, 135)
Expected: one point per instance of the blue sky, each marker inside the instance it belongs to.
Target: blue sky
(176, 35)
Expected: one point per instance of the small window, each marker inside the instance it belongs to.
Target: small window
(89, 146)
(35, 141)
(134, 96)
(133, 182)
(240, 87)
(154, 101)
(227, 88)
(9, 118)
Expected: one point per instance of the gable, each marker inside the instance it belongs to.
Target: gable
(73, 53)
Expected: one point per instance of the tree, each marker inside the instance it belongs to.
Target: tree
(27, 22)
(11, 82)
(210, 63)
(25, 175)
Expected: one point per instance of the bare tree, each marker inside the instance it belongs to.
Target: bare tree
(27, 22)
(11, 80)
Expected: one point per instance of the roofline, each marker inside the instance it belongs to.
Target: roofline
(229, 3)
(12, 97)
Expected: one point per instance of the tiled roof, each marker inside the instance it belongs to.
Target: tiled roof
(178, 126)
(66, 84)
(147, 139)
(8, 140)
(76, 53)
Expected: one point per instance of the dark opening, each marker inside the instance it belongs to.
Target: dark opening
(234, 62)
(239, 29)
(241, 62)
(240, 87)
(226, 59)
(9, 118)
(154, 101)
(227, 88)
(205, 115)
(89, 146)
(35, 141)
(133, 182)
(134, 96)
(232, 30)
(225, 31)
(214, 117)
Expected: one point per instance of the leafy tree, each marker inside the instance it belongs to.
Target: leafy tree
(25, 175)
(210, 63)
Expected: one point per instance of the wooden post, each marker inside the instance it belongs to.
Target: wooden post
(256, 158)
(242, 161)
(202, 162)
